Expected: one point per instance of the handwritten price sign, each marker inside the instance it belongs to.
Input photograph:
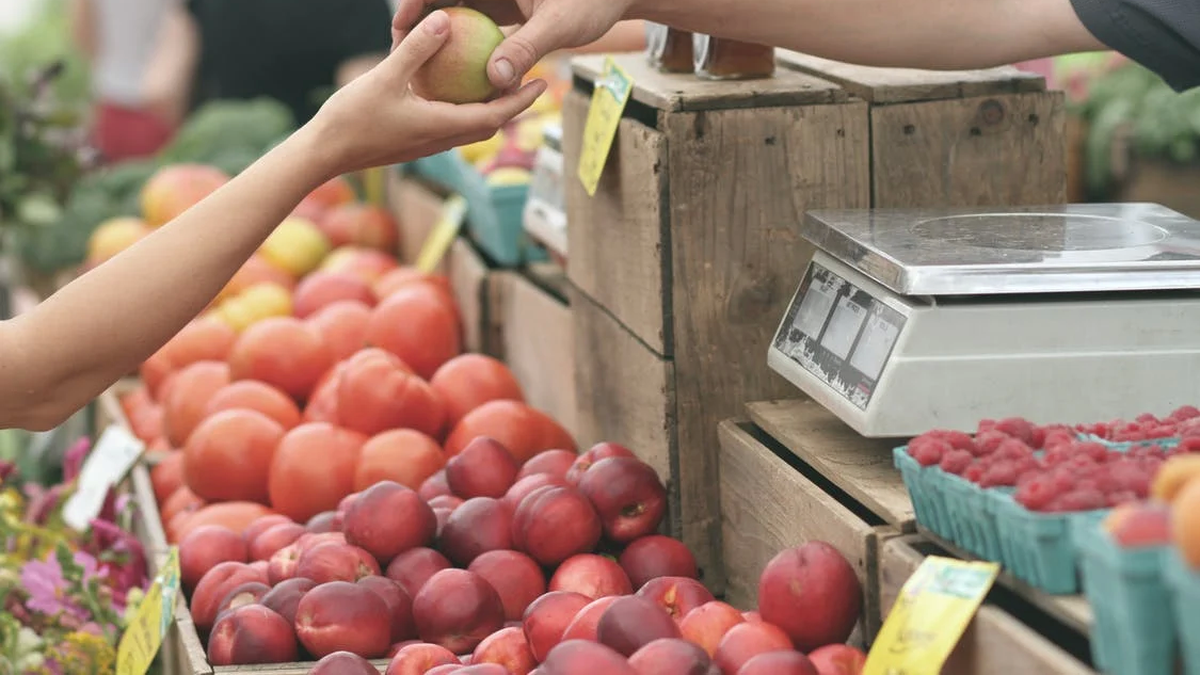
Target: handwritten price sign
(608, 102)
(934, 609)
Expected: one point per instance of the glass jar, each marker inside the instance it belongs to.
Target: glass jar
(669, 49)
(723, 59)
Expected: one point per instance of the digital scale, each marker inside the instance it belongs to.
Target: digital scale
(911, 320)
(545, 217)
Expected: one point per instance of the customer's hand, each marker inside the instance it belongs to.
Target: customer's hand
(545, 26)
(377, 119)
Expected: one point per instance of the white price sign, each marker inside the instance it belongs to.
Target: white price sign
(114, 455)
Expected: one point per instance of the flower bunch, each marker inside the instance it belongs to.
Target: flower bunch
(65, 596)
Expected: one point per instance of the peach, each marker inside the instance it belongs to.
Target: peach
(628, 496)
(581, 657)
(248, 593)
(457, 73)
(420, 658)
(672, 656)
(206, 547)
(367, 263)
(326, 521)
(592, 575)
(263, 524)
(343, 663)
(346, 502)
(214, 586)
(341, 616)
(457, 609)
(554, 523)
(284, 598)
(399, 603)
(1137, 524)
(445, 502)
(515, 576)
(262, 567)
(1173, 475)
(336, 562)
(812, 593)
(313, 540)
(752, 617)
(388, 519)
(654, 556)
(525, 486)
(266, 544)
(747, 640)
(434, 486)
(482, 669)
(445, 669)
(484, 468)
(1185, 523)
(838, 659)
(550, 462)
(506, 647)
(443, 516)
(360, 224)
(547, 618)
(708, 623)
(282, 565)
(479, 525)
(251, 634)
(677, 595)
(585, 624)
(414, 567)
(779, 663)
(322, 288)
(631, 623)
(596, 453)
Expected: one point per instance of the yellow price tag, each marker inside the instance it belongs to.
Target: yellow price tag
(151, 620)
(604, 116)
(374, 182)
(934, 609)
(454, 211)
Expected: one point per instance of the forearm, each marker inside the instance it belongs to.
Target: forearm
(626, 36)
(934, 34)
(75, 344)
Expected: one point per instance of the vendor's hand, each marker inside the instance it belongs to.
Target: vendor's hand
(377, 120)
(546, 26)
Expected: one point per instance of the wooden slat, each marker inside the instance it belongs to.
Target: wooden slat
(685, 92)
(768, 506)
(860, 466)
(906, 85)
(537, 345)
(618, 237)
(995, 643)
(468, 274)
(1003, 150)
(417, 208)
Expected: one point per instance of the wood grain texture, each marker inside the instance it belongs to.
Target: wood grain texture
(538, 346)
(417, 207)
(617, 237)
(624, 391)
(767, 506)
(995, 643)
(469, 277)
(982, 151)
(906, 85)
(860, 466)
(740, 182)
(685, 92)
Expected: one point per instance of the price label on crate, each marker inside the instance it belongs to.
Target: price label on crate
(151, 620)
(114, 455)
(931, 614)
(608, 102)
(454, 211)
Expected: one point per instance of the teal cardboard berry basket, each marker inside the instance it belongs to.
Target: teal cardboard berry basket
(1183, 583)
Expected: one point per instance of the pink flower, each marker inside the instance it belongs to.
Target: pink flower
(74, 457)
(43, 581)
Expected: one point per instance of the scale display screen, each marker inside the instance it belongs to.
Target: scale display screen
(839, 333)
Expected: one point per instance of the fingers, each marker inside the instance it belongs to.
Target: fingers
(477, 118)
(419, 45)
(526, 46)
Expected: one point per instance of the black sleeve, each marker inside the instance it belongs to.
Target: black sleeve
(1162, 35)
(363, 27)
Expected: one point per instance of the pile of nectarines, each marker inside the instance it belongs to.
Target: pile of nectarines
(551, 565)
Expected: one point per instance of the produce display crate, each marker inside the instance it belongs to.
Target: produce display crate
(1184, 586)
(992, 137)
(1127, 589)
(997, 642)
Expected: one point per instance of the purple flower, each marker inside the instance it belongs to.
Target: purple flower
(124, 558)
(7, 469)
(74, 457)
(43, 581)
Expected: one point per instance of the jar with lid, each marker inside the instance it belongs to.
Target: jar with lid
(719, 58)
(669, 49)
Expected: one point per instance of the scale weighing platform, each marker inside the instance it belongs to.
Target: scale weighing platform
(911, 320)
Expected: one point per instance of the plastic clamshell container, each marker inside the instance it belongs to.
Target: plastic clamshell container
(1127, 589)
(1183, 583)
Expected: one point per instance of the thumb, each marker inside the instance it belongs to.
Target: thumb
(524, 48)
(421, 43)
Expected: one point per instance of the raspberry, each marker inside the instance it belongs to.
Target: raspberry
(1182, 413)
(987, 441)
(956, 461)
(1188, 444)
(1017, 428)
(1118, 498)
(1146, 418)
(974, 473)
(1078, 500)
(985, 425)
(957, 439)
(1097, 452)
(1013, 448)
(1063, 481)
(1035, 494)
(928, 451)
(999, 474)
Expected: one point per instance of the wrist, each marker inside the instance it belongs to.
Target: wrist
(316, 151)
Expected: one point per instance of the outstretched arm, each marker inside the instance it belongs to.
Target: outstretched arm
(67, 350)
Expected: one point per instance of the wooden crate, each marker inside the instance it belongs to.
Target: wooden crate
(996, 642)
(470, 281)
(688, 254)
(417, 207)
(534, 336)
(967, 138)
(770, 502)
